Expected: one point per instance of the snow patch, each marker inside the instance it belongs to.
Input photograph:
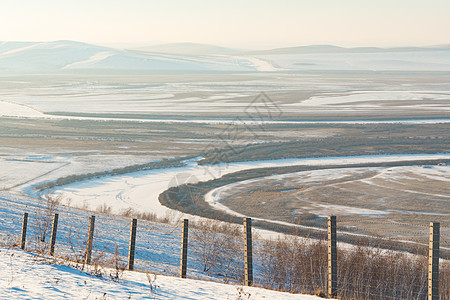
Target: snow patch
(90, 61)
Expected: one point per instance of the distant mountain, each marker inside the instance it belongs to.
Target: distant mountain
(76, 57)
(441, 46)
(70, 56)
(188, 49)
(333, 58)
(335, 49)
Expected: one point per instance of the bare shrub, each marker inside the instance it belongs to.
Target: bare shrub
(117, 265)
(148, 216)
(293, 265)
(372, 273)
(444, 282)
(77, 254)
(104, 209)
(45, 214)
(151, 278)
(218, 246)
(242, 294)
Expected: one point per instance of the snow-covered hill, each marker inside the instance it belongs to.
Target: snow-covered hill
(70, 57)
(188, 49)
(67, 56)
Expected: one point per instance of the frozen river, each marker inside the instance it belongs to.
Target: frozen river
(140, 190)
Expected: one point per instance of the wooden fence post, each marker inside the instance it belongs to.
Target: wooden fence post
(433, 262)
(53, 237)
(184, 248)
(132, 246)
(90, 239)
(332, 257)
(248, 257)
(24, 231)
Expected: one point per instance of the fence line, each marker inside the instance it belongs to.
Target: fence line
(433, 263)
(132, 246)
(332, 257)
(24, 231)
(248, 255)
(334, 289)
(53, 236)
(184, 249)
(90, 239)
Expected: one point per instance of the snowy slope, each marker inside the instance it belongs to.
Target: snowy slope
(27, 276)
(31, 276)
(64, 56)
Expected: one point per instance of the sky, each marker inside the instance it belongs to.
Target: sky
(248, 24)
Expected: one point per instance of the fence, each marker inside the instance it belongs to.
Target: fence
(230, 253)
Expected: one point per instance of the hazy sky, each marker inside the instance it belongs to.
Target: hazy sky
(245, 23)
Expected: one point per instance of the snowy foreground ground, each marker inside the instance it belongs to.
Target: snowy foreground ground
(27, 276)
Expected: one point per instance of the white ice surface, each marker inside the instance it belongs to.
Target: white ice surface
(22, 171)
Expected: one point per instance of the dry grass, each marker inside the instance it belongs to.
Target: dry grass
(217, 246)
(294, 265)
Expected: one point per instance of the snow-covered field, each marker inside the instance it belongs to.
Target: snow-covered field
(28, 276)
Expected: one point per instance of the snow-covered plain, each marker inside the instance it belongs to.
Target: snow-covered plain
(41, 106)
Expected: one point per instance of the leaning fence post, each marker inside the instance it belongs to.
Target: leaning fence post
(248, 258)
(90, 239)
(332, 257)
(132, 245)
(24, 231)
(433, 262)
(53, 237)
(184, 248)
